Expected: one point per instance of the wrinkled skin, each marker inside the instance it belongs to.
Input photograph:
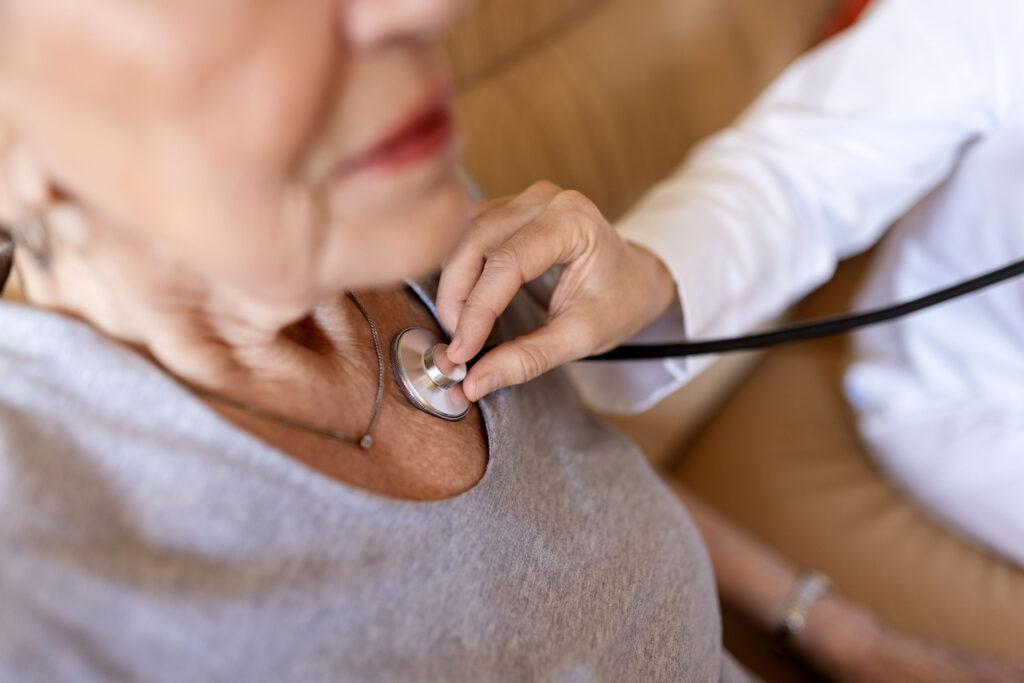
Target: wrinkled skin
(212, 132)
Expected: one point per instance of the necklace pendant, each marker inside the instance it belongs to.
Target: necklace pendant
(366, 442)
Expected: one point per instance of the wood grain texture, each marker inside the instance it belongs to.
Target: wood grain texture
(607, 96)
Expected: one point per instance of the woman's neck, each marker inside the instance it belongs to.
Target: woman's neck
(319, 369)
(280, 358)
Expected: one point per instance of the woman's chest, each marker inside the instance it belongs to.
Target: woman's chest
(414, 455)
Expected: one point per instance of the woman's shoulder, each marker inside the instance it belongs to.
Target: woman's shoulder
(29, 366)
(47, 358)
(32, 337)
(68, 390)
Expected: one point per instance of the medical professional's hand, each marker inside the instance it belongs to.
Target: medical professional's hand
(609, 290)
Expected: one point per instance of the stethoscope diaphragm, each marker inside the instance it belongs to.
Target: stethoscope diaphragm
(425, 375)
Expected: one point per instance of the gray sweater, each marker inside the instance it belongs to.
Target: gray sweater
(143, 537)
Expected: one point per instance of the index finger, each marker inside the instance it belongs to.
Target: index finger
(495, 222)
(478, 209)
(525, 257)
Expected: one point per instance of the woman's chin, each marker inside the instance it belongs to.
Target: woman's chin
(411, 244)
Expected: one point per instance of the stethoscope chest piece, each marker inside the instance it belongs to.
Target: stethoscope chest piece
(426, 377)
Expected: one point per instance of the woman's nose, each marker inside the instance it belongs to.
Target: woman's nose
(370, 23)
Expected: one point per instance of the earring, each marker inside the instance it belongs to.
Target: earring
(32, 235)
(6, 257)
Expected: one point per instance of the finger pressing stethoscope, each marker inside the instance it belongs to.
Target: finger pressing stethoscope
(524, 257)
(560, 340)
(491, 224)
(608, 290)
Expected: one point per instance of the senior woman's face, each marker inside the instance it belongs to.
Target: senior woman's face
(289, 147)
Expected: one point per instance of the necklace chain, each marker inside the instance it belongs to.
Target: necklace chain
(366, 440)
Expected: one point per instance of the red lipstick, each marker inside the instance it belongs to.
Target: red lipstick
(427, 132)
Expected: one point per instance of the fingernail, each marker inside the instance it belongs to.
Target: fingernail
(487, 385)
(456, 342)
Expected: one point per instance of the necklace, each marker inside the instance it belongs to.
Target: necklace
(365, 441)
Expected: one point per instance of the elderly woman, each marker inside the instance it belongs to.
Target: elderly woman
(206, 472)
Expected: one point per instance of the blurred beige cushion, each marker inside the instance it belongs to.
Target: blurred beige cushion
(782, 458)
(606, 96)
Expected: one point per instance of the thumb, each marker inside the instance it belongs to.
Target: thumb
(559, 341)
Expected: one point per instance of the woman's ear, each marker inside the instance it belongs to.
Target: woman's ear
(24, 183)
(7, 210)
(6, 258)
(25, 196)
(6, 213)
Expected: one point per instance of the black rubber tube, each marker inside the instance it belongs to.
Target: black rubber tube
(811, 329)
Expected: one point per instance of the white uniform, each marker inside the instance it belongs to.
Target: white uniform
(914, 119)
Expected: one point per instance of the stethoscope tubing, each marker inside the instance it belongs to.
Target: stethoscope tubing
(806, 330)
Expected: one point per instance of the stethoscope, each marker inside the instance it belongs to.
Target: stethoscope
(434, 384)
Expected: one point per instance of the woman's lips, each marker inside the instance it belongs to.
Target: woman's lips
(424, 137)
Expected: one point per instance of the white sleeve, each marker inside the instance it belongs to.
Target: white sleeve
(842, 144)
